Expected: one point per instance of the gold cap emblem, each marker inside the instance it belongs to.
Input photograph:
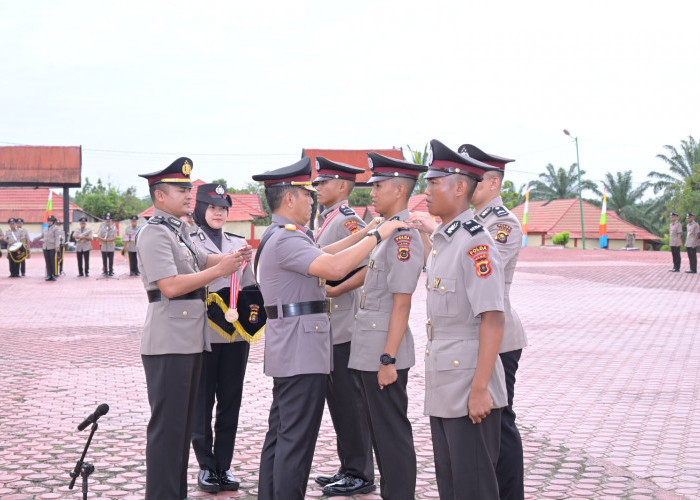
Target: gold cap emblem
(186, 168)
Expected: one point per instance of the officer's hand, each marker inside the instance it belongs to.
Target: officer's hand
(230, 263)
(479, 405)
(246, 252)
(423, 221)
(374, 223)
(331, 291)
(387, 228)
(387, 375)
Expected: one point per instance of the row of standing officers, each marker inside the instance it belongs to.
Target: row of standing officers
(356, 359)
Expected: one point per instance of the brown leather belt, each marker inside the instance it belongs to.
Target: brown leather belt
(300, 308)
(199, 293)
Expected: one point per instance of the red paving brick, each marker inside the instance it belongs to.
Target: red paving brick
(606, 395)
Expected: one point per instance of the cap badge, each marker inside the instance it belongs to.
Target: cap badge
(318, 167)
(186, 168)
(220, 190)
(430, 156)
(371, 165)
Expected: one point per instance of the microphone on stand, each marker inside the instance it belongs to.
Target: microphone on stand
(92, 418)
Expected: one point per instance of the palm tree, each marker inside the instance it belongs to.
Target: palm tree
(421, 159)
(623, 198)
(559, 184)
(681, 165)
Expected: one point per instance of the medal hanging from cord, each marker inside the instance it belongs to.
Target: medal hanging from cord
(231, 314)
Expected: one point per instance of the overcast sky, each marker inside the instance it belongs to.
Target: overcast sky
(242, 87)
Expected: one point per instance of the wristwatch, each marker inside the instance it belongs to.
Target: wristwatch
(375, 233)
(386, 359)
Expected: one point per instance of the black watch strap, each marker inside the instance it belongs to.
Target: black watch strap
(386, 359)
(375, 233)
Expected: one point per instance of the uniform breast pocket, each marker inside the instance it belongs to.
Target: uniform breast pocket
(321, 325)
(186, 309)
(376, 275)
(444, 297)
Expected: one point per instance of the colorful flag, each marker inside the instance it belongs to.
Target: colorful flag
(49, 210)
(527, 204)
(603, 231)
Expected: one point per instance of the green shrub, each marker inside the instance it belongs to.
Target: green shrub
(119, 242)
(665, 248)
(561, 238)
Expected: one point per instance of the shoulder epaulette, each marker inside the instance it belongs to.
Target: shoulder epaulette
(201, 235)
(347, 211)
(228, 235)
(452, 228)
(174, 222)
(501, 211)
(158, 219)
(485, 212)
(473, 227)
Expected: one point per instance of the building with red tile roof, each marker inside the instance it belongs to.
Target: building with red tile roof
(30, 205)
(46, 166)
(354, 157)
(548, 218)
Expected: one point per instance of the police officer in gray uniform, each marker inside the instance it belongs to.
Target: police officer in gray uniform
(334, 183)
(83, 245)
(11, 237)
(51, 240)
(691, 242)
(24, 238)
(107, 234)
(292, 271)
(464, 378)
(130, 245)
(382, 349)
(507, 234)
(174, 274)
(223, 369)
(675, 231)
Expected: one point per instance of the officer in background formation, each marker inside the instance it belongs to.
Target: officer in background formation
(464, 378)
(173, 337)
(130, 245)
(334, 183)
(298, 339)
(382, 349)
(223, 369)
(51, 242)
(507, 234)
(60, 249)
(107, 234)
(83, 245)
(11, 237)
(691, 242)
(26, 241)
(674, 241)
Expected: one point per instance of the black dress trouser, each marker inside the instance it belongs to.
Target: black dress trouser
(510, 469)
(14, 266)
(84, 255)
(108, 262)
(133, 262)
(676, 255)
(50, 260)
(692, 258)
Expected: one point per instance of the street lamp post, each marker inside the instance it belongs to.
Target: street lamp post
(580, 199)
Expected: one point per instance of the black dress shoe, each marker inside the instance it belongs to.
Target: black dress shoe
(326, 480)
(673, 271)
(691, 272)
(228, 481)
(80, 275)
(208, 481)
(349, 485)
(111, 273)
(52, 278)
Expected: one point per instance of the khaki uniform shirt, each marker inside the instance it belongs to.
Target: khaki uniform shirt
(172, 326)
(342, 222)
(83, 245)
(464, 279)
(130, 238)
(294, 345)
(108, 233)
(12, 236)
(691, 237)
(394, 267)
(507, 235)
(674, 234)
(52, 237)
(229, 243)
(23, 236)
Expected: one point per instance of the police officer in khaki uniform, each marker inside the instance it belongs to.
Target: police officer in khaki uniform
(83, 245)
(130, 245)
(464, 378)
(507, 234)
(11, 237)
(26, 241)
(174, 274)
(675, 232)
(223, 369)
(334, 183)
(51, 242)
(382, 348)
(691, 242)
(292, 271)
(107, 234)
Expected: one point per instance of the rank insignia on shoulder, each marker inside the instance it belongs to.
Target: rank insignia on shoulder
(346, 210)
(485, 212)
(174, 221)
(290, 227)
(201, 236)
(501, 211)
(158, 219)
(450, 230)
(473, 227)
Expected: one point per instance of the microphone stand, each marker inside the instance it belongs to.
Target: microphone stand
(83, 469)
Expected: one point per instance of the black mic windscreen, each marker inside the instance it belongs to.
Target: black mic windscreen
(102, 409)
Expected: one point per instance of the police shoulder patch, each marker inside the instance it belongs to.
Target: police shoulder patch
(450, 230)
(501, 211)
(346, 210)
(502, 232)
(404, 247)
(480, 255)
(473, 227)
(485, 212)
(351, 225)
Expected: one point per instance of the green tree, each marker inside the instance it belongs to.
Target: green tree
(98, 199)
(420, 158)
(259, 189)
(512, 197)
(559, 184)
(360, 198)
(681, 165)
(623, 198)
(221, 181)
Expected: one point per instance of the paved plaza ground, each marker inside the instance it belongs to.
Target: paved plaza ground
(607, 392)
